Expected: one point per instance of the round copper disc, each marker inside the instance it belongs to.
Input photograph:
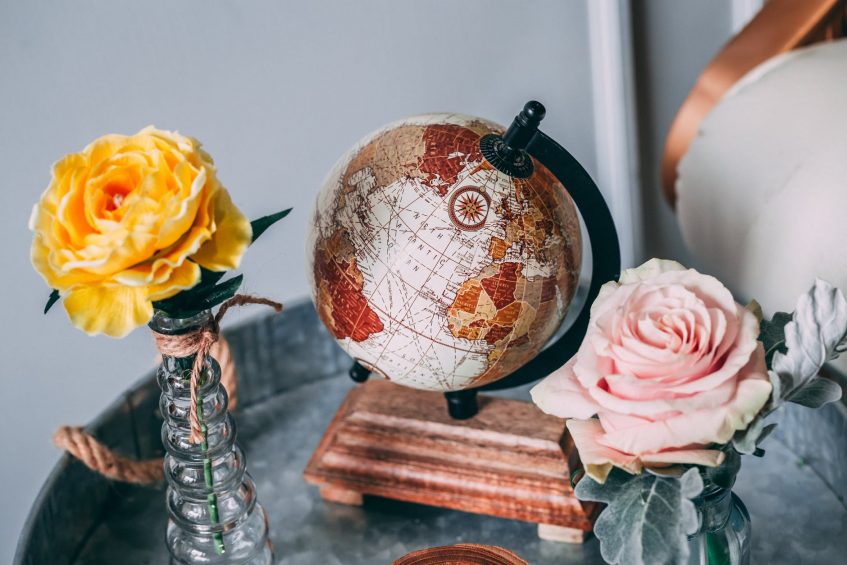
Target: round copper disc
(462, 554)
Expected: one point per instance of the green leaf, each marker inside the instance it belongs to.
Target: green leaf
(191, 295)
(647, 518)
(747, 441)
(778, 384)
(261, 224)
(222, 292)
(54, 297)
(197, 299)
(208, 278)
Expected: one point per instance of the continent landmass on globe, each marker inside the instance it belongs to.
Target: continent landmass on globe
(434, 268)
(498, 307)
(342, 306)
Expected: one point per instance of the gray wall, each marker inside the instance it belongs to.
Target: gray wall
(673, 43)
(276, 91)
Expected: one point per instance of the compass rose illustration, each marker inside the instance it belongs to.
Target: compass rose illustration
(468, 208)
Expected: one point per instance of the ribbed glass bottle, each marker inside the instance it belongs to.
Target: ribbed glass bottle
(214, 514)
(725, 528)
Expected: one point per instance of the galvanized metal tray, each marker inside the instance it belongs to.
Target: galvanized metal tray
(292, 377)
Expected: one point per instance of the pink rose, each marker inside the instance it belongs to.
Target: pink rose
(670, 365)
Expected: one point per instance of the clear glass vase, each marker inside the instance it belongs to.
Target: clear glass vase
(214, 514)
(724, 534)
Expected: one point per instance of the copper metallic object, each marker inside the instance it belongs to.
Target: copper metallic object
(462, 554)
(781, 25)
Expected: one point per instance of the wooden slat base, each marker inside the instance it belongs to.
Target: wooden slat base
(510, 460)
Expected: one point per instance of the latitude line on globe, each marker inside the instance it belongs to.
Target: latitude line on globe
(428, 278)
(490, 184)
(426, 191)
(376, 287)
(421, 355)
(389, 272)
(425, 242)
(468, 169)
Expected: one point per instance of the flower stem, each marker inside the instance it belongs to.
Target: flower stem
(717, 549)
(211, 498)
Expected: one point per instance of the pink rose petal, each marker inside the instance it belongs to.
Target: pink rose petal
(704, 457)
(744, 345)
(560, 395)
(649, 270)
(596, 458)
(713, 424)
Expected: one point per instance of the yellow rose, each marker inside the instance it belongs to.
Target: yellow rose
(130, 220)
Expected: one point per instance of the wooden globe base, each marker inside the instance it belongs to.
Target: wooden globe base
(510, 460)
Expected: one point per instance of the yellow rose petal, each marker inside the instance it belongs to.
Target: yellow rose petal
(183, 206)
(231, 238)
(39, 255)
(186, 247)
(183, 277)
(114, 310)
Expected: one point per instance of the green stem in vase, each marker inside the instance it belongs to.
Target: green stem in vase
(211, 498)
(717, 549)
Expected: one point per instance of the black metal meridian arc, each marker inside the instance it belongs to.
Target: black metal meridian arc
(523, 137)
(509, 155)
(605, 251)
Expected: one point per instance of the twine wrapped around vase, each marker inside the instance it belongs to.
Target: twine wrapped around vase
(206, 341)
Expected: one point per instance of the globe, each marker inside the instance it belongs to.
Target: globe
(433, 268)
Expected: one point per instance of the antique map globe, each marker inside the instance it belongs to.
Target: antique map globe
(433, 268)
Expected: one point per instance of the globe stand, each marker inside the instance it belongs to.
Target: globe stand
(483, 454)
(461, 404)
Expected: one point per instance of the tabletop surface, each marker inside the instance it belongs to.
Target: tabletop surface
(797, 517)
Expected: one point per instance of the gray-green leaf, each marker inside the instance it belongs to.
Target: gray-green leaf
(724, 474)
(772, 335)
(816, 393)
(647, 518)
(745, 441)
(778, 384)
(812, 337)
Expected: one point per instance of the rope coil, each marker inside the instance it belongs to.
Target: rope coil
(103, 460)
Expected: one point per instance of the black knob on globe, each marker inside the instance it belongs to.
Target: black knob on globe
(508, 152)
(523, 128)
